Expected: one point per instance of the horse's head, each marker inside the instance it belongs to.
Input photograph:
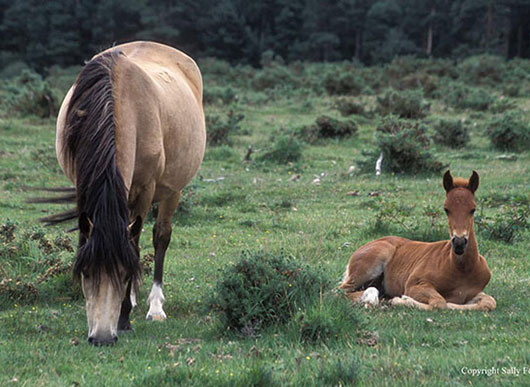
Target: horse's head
(105, 276)
(460, 207)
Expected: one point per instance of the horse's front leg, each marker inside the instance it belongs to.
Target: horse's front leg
(422, 296)
(481, 301)
(161, 238)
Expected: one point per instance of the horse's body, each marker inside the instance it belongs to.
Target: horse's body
(130, 132)
(446, 274)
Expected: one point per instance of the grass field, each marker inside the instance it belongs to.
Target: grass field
(233, 206)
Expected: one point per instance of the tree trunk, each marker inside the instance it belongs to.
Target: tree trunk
(428, 51)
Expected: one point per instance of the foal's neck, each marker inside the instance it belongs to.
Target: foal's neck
(467, 260)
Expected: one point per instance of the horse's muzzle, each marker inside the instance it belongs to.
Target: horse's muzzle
(459, 244)
(100, 342)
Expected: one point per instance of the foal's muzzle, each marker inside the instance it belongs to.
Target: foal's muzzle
(459, 244)
(100, 342)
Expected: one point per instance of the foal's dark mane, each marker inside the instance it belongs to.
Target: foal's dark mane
(90, 147)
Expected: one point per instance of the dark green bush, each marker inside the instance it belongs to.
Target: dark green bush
(419, 80)
(274, 77)
(404, 145)
(460, 96)
(285, 148)
(482, 69)
(451, 133)
(344, 83)
(219, 95)
(507, 225)
(29, 94)
(405, 104)
(264, 289)
(219, 131)
(348, 106)
(510, 131)
(502, 104)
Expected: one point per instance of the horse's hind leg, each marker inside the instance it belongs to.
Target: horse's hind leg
(365, 271)
(139, 211)
(161, 238)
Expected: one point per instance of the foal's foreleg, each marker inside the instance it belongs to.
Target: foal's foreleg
(481, 301)
(161, 238)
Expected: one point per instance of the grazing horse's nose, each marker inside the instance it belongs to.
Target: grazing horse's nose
(99, 342)
(459, 244)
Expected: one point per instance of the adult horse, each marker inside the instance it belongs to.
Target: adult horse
(130, 132)
(447, 274)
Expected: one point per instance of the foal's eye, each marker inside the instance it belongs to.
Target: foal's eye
(446, 211)
(472, 211)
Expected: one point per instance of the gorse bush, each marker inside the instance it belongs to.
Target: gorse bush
(31, 261)
(404, 145)
(264, 289)
(344, 83)
(219, 95)
(219, 131)
(510, 131)
(327, 127)
(507, 225)
(482, 69)
(460, 96)
(451, 133)
(285, 148)
(405, 104)
(348, 106)
(29, 94)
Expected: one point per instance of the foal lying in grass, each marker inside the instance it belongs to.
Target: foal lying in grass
(447, 274)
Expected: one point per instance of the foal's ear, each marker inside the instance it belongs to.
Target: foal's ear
(473, 182)
(135, 228)
(448, 181)
(85, 225)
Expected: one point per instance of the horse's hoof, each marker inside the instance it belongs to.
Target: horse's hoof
(161, 316)
(403, 300)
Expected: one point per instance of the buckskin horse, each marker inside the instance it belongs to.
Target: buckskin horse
(447, 274)
(130, 132)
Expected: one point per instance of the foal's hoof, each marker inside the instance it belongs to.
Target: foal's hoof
(160, 316)
(404, 300)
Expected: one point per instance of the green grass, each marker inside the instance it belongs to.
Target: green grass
(257, 207)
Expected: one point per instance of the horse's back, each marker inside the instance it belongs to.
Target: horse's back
(158, 102)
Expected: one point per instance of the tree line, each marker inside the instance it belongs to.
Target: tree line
(67, 32)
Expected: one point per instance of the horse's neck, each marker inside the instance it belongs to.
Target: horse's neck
(471, 256)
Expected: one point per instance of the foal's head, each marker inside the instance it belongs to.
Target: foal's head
(460, 207)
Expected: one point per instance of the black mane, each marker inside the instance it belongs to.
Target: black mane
(101, 193)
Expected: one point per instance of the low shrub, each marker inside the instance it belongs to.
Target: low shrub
(482, 69)
(510, 131)
(29, 94)
(327, 127)
(507, 225)
(451, 133)
(419, 80)
(264, 289)
(502, 104)
(345, 83)
(348, 106)
(404, 145)
(405, 104)
(31, 261)
(219, 95)
(219, 131)
(460, 96)
(285, 148)
(274, 77)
